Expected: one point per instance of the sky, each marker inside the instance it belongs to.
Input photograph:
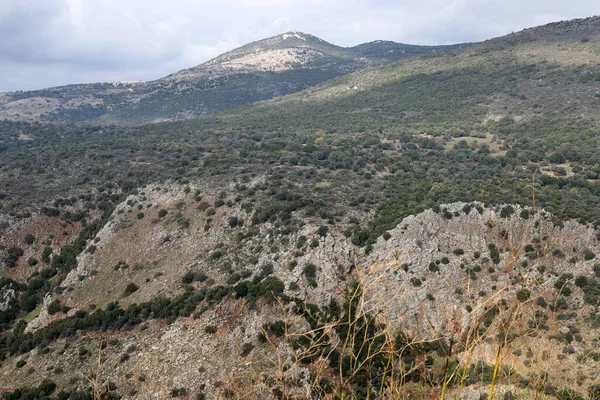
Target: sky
(47, 43)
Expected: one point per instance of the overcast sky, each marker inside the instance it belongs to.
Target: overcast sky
(47, 43)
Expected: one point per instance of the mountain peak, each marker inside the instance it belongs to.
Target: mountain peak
(293, 34)
(278, 53)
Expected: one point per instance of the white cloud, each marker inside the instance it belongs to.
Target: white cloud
(281, 21)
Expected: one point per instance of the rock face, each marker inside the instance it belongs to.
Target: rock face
(7, 296)
(155, 252)
(434, 266)
(413, 273)
(43, 318)
(435, 275)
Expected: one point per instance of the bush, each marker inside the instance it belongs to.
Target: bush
(131, 288)
(233, 278)
(12, 255)
(46, 254)
(581, 281)
(178, 392)
(310, 271)
(188, 277)
(29, 239)
(140, 215)
(48, 273)
(162, 213)
(506, 211)
(523, 295)
(494, 254)
(322, 231)
(20, 363)
(54, 307)
(234, 221)
(540, 301)
(210, 329)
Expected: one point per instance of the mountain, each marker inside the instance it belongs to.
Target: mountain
(429, 228)
(257, 71)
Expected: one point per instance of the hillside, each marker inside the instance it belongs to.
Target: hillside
(260, 70)
(423, 229)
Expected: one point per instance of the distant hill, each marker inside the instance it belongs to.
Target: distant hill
(261, 70)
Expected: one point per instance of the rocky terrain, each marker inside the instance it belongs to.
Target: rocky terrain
(434, 276)
(423, 229)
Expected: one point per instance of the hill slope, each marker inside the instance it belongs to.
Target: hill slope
(435, 220)
(257, 71)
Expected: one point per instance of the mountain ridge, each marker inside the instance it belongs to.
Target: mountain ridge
(260, 70)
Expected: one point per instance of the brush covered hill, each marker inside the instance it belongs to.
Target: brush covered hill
(260, 70)
(194, 299)
(424, 229)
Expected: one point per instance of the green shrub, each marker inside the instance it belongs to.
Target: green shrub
(130, 288)
(506, 211)
(46, 254)
(54, 307)
(310, 271)
(322, 231)
(29, 239)
(48, 273)
(188, 277)
(178, 392)
(210, 329)
(233, 278)
(12, 255)
(523, 295)
(494, 254)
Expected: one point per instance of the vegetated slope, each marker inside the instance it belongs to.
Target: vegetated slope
(539, 72)
(175, 307)
(257, 71)
(250, 222)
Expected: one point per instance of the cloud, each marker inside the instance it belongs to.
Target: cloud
(281, 21)
(52, 42)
